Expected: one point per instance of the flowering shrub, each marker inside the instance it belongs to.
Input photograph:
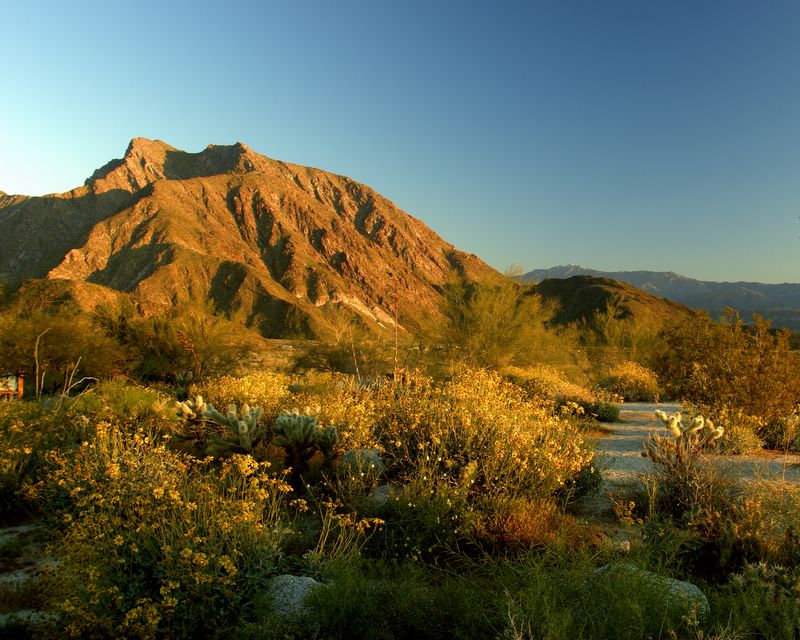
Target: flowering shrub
(264, 389)
(27, 435)
(478, 439)
(632, 381)
(155, 544)
(546, 382)
(783, 433)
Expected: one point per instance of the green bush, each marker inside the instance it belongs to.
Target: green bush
(605, 412)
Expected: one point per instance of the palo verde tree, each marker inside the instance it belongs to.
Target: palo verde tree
(51, 349)
(190, 338)
(492, 324)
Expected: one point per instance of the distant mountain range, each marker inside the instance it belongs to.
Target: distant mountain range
(778, 302)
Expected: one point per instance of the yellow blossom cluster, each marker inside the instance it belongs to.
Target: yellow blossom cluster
(482, 432)
(142, 515)
(543, 381)
(265, 389)
(632, 381)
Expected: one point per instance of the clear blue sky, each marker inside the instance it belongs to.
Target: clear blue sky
(618, 135)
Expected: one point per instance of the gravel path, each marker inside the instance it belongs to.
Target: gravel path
(622, 462)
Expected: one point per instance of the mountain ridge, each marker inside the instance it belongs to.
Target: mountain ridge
(291, 249)
(777, 302)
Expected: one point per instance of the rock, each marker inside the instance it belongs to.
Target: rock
(362, 461)
(677, 592)
(289, 594)
(28, 616)
(9, 534)
(380, 497)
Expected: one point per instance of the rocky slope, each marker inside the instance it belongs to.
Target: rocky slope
(289, 250)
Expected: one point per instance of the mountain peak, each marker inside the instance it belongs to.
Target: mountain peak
(295, 250)
(147, 161)
(139, 147)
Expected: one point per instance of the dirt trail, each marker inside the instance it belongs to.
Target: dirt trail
(622, 461)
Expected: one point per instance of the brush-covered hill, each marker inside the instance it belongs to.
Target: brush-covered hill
(778, 302)
(577, 298)
(285, 249)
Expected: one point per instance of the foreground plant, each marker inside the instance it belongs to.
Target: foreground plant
(684, 440)
(301, 437)
(156, 544)
(244, 432)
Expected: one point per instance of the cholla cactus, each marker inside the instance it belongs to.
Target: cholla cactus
(193, 409)
(301, 437)
(244, 432)
(685, 439)
(298, 431)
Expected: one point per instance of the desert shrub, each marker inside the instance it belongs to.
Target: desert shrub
(782, 433)
(605, 412)
(363, 354)
(768, 518)
(761, 602)
(632, 381)
(548, 382)
(476, 440)
(476, 425)
(128, 401)
(729, 367)
(159, 545)
(29, 432)
(586, 482)
(188, 338)
(741, 430)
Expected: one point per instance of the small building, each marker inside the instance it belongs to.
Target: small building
(10, 386)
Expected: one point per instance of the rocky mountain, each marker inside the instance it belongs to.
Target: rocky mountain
(778, 302)
(287, 249)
